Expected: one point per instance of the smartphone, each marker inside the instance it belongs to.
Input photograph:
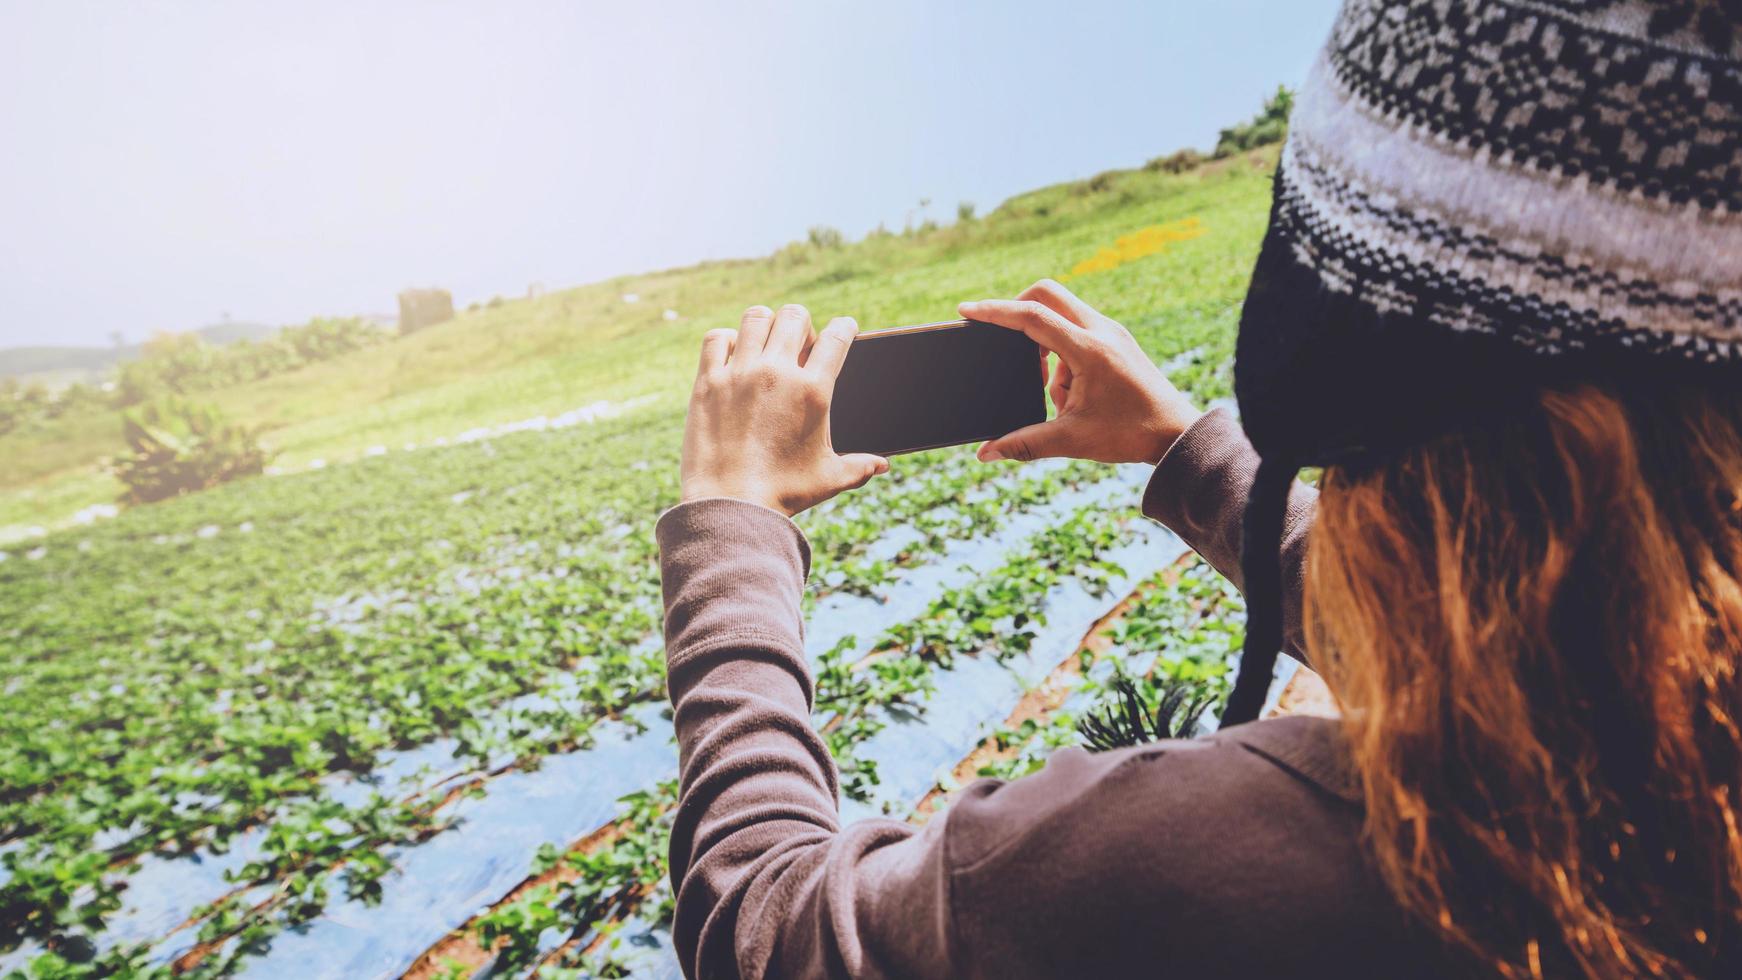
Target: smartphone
(939, 384)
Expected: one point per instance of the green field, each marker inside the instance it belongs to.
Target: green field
(193, 670)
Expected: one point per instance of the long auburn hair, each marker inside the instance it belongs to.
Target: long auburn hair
(1532, 626)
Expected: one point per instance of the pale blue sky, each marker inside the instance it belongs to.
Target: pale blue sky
(166, 163)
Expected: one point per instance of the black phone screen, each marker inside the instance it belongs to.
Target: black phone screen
(916, 388)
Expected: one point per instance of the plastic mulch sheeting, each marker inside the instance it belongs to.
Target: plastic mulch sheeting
(442, 883)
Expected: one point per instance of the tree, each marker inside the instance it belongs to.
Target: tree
(176, 447)
(1269, 126)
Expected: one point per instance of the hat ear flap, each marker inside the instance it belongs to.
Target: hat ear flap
(1261, 564)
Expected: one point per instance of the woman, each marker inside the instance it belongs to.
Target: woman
(1500, 302)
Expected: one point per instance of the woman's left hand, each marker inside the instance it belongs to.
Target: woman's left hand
(758, 424)
(1114, 405)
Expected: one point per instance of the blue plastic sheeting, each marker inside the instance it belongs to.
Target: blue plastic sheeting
(443, 882)
(163, 893)
(865, 619)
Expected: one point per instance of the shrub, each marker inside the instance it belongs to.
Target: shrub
(822, 236)
(420, 308)
(1269, 126)
(176, 447)
(964, 212)
(22, 404)
(1177, 162)
(1098, 184)
(183, 364)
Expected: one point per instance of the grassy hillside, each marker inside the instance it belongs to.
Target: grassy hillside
(575, 347)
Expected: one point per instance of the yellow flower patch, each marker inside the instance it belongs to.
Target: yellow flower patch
(1139, 244)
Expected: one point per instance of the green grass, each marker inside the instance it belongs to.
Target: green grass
(565, 349)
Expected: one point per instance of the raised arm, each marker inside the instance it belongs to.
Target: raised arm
(767, 882)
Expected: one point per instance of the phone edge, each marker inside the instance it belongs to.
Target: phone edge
(916, 328)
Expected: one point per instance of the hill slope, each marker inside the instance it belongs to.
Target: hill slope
(579, 346)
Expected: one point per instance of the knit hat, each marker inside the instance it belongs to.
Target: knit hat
(1478, 197)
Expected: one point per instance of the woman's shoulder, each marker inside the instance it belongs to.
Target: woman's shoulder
(1171, 850)
(1186, 788)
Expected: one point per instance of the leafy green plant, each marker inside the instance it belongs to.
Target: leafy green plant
(1269, 126)
(176, 447)
(1145, 714)
(1177, 162)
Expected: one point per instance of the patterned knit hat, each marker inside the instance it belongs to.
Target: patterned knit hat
(1479, 197)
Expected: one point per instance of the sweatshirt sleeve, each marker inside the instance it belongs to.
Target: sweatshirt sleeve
(767, 882)
(1199, 491)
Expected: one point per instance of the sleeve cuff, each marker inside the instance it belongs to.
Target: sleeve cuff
(717, 523)
(1200, 455)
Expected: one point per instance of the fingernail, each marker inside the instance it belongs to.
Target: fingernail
(990, 455)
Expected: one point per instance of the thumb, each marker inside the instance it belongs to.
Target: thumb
(854, 470)
(1038, 441)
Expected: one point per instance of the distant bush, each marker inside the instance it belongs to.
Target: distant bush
(822, 236)
(419, 308)
(29, 404)
(176, 447)
(838, 274)
(1269, 126)
(1177, 162)
(965, 212)
(184, 364)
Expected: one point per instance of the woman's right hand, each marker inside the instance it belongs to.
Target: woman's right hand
(1114, 405)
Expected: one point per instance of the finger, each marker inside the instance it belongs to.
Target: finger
(1043, 325)
(1038, 441)
(752, 333)
(857, 469)
(830, 350)
(792, 327)
(717, 349)
(1054, 296)
(1060, 389)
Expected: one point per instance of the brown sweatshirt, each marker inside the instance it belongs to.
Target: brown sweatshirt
(1232, 855)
